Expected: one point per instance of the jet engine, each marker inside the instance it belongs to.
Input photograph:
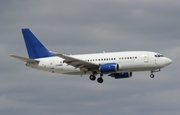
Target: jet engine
(109, 68)
(121, 75)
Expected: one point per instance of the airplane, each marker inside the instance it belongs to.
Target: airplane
(115, 64)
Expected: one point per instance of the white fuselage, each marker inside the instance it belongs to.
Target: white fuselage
(128, 62)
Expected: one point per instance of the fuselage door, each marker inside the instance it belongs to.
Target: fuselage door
(146, 58)
(51, 64)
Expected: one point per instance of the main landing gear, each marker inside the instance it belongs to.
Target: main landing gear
(93, 77)
(100, 80)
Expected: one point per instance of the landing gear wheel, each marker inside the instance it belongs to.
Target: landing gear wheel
(100, 80)
(152, 75)
(92, 77)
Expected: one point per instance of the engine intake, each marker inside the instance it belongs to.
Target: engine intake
(121, 75)
(109, 68)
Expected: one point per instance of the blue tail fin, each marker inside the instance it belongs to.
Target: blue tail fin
(34, 47)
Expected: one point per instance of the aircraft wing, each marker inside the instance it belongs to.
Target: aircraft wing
(23, 59)
(78, 63)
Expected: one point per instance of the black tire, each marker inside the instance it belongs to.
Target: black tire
(152, 75)
(100, 80)
(92, 77)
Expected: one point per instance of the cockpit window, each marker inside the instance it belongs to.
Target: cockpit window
(158, 55)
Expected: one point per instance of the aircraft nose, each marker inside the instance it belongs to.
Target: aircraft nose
(168, 61)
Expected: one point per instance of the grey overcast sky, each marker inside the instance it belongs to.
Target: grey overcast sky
(89, 26)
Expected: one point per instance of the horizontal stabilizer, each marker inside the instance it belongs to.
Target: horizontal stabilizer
(24, 59)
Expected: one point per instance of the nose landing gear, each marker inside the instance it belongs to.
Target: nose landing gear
(152, 75)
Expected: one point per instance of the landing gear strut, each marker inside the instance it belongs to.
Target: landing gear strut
(152, 75)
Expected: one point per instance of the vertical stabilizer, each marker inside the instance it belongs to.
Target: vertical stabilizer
(34, 47)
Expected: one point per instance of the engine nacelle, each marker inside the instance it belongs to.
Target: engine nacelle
(121, 75)
(109, 68)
